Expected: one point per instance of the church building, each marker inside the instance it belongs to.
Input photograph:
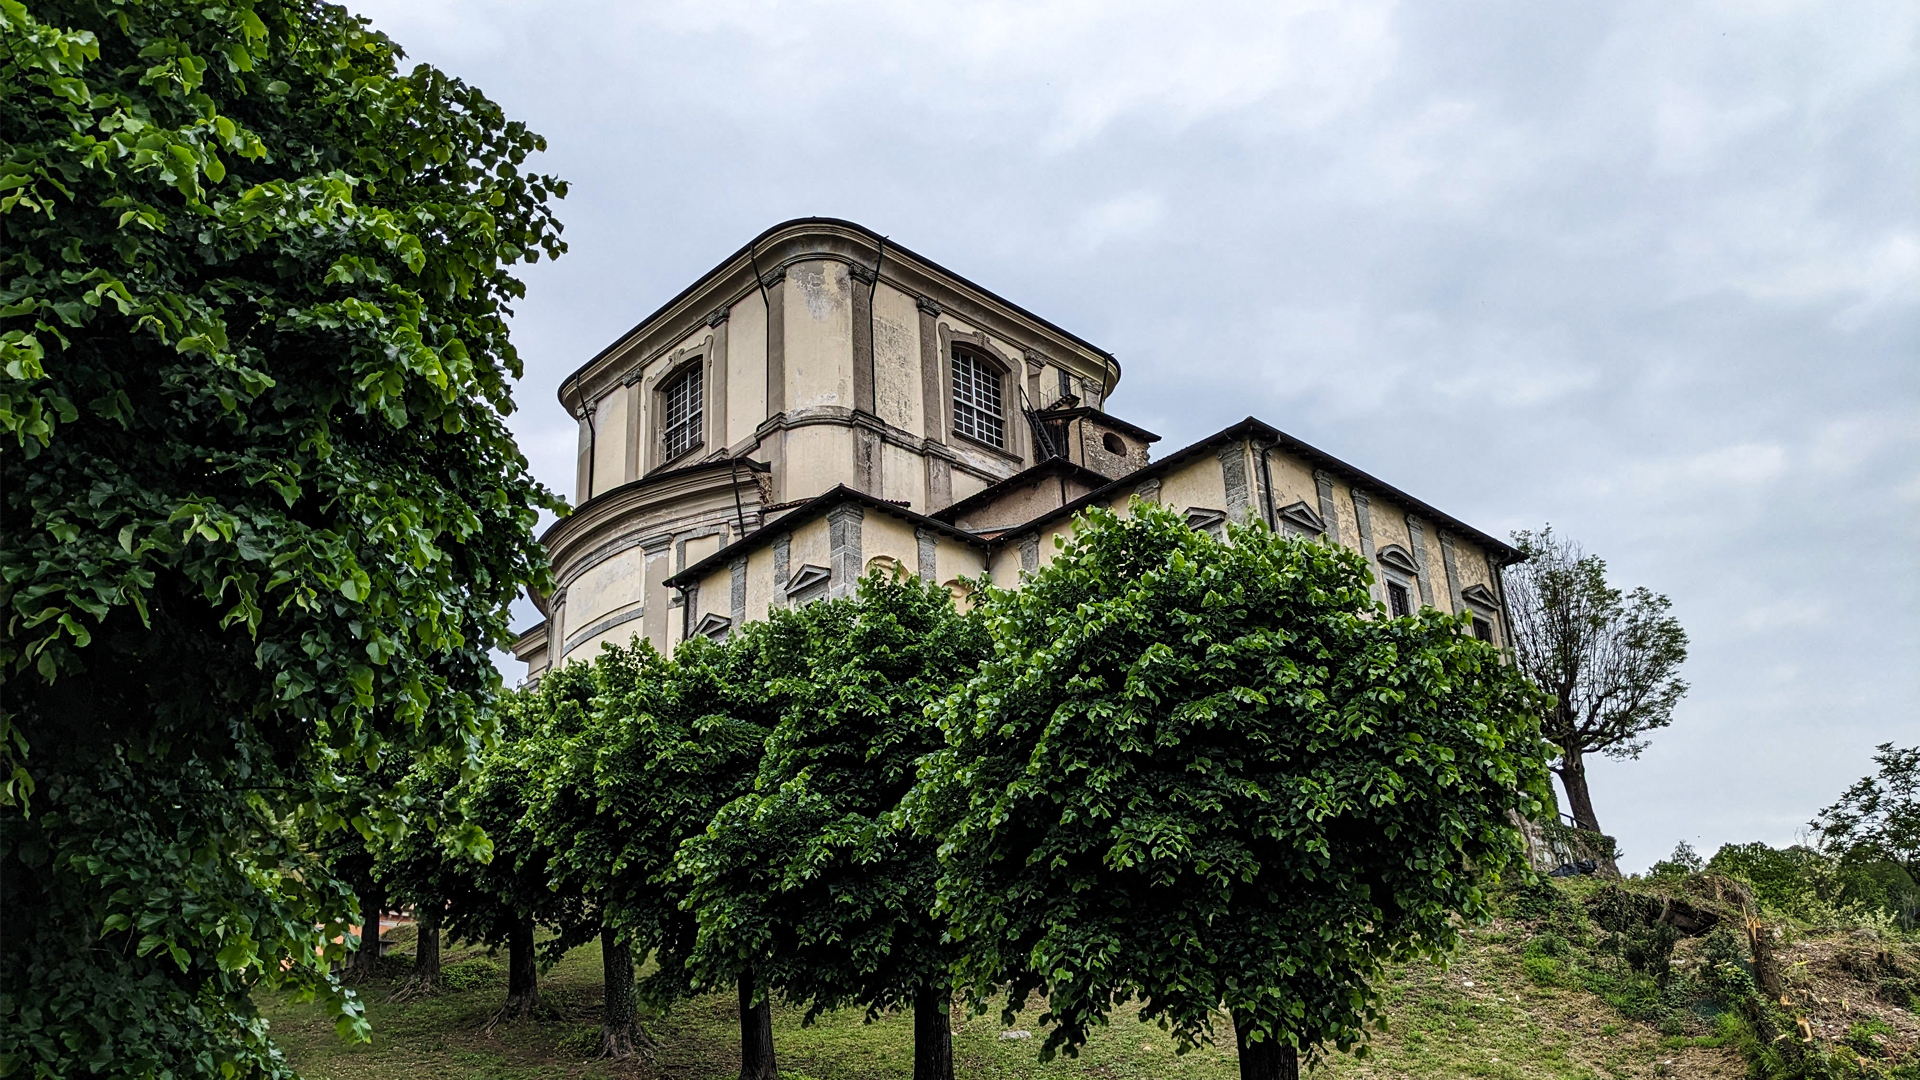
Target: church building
(825, 402)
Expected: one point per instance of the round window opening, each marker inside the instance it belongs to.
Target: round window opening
(1114, 444)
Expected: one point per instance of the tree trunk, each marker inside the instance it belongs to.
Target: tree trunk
(365, 963)
(619, 1026)
(756, 1034)
(1268, 1059)
(426, 947)
(1573, 777)
(424, 979)
(1766, 967)
(932, 1034)
(523, 979)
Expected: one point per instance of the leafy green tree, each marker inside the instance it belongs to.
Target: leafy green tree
(1610, 658)
(503, 900)
(1214, 775)
(814, 880)
(566, 814)
(673, 740)
(1878, 818)
(262, 514)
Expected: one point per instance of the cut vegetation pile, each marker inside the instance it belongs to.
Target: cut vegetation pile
(1585, 979)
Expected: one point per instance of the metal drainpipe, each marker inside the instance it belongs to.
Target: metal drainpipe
(593, 438)
(1266, 481)
(1506, 614)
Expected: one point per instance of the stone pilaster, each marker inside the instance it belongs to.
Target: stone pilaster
(1363, 519)
(844, 560)
(1323, 482)
(1233, 473)
(1453, 571)
(928, 544)
(1417, 532)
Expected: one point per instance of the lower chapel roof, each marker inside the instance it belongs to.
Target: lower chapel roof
(1001, 535)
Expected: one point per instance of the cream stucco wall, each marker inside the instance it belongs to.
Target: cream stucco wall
(612, 428)
(746, 368)
(819, 335)
(897, 387)
(818, 458)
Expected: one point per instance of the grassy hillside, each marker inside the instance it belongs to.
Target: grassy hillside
(1546, 991)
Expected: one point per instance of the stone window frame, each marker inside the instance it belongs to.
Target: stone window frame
(977, 342)
(680, 364)
(1399, 571)
(808, 583)
(1208, 520)
(985, 415)
(1484, 607)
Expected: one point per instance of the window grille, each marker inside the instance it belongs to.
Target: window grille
(1398, 602)
(976, 401)
(680, 414)
(1483, 630)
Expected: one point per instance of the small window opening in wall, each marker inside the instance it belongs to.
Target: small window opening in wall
(1398, 603)
(976, 400)
(1483, 630)
(1115, 444)
(680, 414)
(1066, 384)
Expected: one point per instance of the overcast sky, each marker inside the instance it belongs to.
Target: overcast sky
(1649, 272)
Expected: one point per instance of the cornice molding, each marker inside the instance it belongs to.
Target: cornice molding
(810, 239)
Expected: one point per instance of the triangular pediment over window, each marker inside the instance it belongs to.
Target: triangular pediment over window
(713, 626)
(806, 578)
(1302, 518)
(1480, 596)
(1206, 520)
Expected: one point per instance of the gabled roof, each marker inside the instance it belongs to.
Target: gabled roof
(1259, 429)
(1058, 466)
(1245, 429)
(817, 507)
(1103, 417)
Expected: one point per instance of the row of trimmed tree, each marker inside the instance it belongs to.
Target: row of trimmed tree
(1208, 776)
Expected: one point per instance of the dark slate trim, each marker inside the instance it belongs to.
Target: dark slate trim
(1259, 429)
(1051, 467)
(813, 508)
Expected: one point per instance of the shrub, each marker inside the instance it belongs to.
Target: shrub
(473, 973)
(1863, 1038)
(1635, 932)
(1545, 970)
(1683, 862)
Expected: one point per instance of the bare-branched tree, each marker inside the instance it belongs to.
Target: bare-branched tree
(1610, 658)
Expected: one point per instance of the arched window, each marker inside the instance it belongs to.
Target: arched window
(977, 412)
(680, 414)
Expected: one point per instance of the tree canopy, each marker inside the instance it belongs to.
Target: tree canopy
(263, 516)
(1878, 817)
(1611, 658)
(1208, 774)
(814, 880)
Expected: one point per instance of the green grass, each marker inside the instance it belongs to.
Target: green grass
(1506, 1024)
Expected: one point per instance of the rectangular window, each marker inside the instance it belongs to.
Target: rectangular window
(1398, 604)
(680, 414)
(976, 401)
(1483, 630)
